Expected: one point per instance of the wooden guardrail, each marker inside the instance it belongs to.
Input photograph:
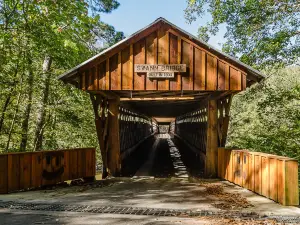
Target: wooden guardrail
(20, 171)
(272, 176)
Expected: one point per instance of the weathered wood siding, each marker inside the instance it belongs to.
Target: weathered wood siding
(20, 171)
(272, 176)
(163, 45)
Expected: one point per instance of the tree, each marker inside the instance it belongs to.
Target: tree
(44, 38)
(260, 32)
(266, 117)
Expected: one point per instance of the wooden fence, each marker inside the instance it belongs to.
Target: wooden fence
(20, 171)
(272, 176)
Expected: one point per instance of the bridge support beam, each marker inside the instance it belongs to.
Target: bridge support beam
(106, 111)
(211, 162)
(114, 154)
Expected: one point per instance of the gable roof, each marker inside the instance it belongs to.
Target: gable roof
(252, 73)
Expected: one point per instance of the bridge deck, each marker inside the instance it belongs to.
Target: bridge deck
(165, 185)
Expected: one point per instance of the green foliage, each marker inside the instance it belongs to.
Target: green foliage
(67, 31)
(261, 33)
(266, 117)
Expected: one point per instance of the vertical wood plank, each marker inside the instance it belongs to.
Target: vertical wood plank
(230, 166)
(163, 56)
(227, 160)
(66, 174)
(47, 166)
(224, 163)
(94, 162)
(96, 77)
(221, 162)
(3, 174)
(191, 76)
(237, 167)
(80, 81)
(221, 75)
(220, 153)
(90, 164)
(199, 80)
(83, 81)
(57, 165)
(13, 172)
(115, 77)
(244, 81)
(102, 75)
(167, 82)
(235, 79)
(174, 59)
(90, 79)
(131, 63)
(251, 171)
(36, 169)
(265, 176)
(127, 68)
(257, 175)
(227, 80)
(211, 163)
(281, 190)
(179, 84)
(107, 73)
(273, 182)
(211, 76)
(73, 164)
(25, 170)
(186, 77)
(292, 188)
(120, 70)
(246, 175)
(139, 58)
(87, 162)
(151, 58)
(81, 162)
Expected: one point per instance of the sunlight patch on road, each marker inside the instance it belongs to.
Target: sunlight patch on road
(180, 168)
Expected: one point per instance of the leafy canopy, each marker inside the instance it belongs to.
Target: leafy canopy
(261, 32)
(69, 32)
(266, 117)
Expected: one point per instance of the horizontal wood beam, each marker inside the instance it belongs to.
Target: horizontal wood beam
(105, 94)
(157, 99)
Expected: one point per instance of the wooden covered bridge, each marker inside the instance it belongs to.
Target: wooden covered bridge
(161, 71)
(160, 79)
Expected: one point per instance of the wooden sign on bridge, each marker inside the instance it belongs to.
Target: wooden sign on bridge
(160, 70)
(140, 68)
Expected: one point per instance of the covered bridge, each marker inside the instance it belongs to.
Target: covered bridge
(161, 75)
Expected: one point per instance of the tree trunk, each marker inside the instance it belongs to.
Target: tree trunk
(13, 123)
(38, 140)
(8, 99)
(27, 110)
(4, 110)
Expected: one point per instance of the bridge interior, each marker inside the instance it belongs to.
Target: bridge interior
(161, 133)
(165, 153)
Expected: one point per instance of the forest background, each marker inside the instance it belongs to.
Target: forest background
(40, 39)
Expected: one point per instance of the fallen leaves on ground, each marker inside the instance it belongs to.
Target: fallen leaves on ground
(227, 200)
(238, 221)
